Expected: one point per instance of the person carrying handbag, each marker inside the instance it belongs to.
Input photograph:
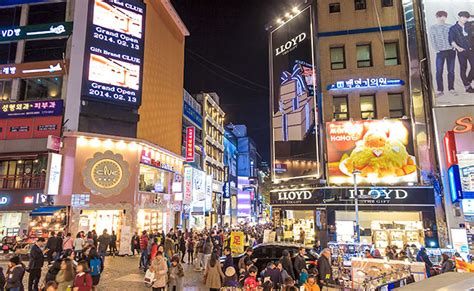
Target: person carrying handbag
(160, 268)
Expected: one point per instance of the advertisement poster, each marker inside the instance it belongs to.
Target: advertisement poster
(237, 241)
(113, 62)
(293, 86)
(450, 30)
(380, 152)
(125, 240)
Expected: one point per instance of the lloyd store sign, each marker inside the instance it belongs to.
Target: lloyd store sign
(290, 45)
(372, 195)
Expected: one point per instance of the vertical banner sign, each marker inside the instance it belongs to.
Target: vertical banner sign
(190, 139)
(113, 62)
(237, 242)
(188, 185)
(293, 98)
(450, 47)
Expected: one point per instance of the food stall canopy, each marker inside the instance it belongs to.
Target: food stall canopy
(45, 211)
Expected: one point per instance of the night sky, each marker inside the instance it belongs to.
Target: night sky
(227, 53)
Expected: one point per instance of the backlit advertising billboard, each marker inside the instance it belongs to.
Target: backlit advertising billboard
(113, 62)
(379, 152)
(293, 101)
(450, 29)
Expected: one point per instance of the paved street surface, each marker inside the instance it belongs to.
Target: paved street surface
(122, 273)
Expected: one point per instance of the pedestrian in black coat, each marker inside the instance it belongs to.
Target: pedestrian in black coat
(15, 273)
(51, 246)
(287, 264)
(35, 264)
(324, 268)
(300, 262)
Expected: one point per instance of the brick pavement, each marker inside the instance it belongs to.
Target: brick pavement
(122, 273)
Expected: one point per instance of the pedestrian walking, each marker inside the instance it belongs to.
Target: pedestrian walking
(90, 239)
(190, 249)
(169, 246)
(200, 254)
(160, 268)
(78, 245)
(68, 242)
(230, 278)
(324, 268)
(104, 242)
(135, 244)
(207, 251)
(65, 276)
(143, 249)
(15, 273)
(2, 280)
(95, 238)
(176, 274)
(59, 245)
(36, 261)
(300, 264)
(213, 275)
(287, 263)
(96, 266)
(51, 247)
(182, 247)
(83, 280)
(113, 244)
(422, 256)
(154, 249)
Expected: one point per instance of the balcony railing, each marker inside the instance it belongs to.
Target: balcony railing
(22, 181)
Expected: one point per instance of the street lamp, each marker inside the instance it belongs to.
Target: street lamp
(356, 202)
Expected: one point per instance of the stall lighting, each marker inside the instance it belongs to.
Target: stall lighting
(279, 21)
(287, 15)
(20, 162)
(121, 145)
(132, 146)
(296, 10)
(109, 144)
(35, 161)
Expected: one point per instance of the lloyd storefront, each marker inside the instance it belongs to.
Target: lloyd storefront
(124, 185)
(387, 215)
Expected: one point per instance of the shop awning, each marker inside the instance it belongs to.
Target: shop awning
(45, 211)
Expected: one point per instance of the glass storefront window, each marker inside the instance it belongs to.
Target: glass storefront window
(295, 223)
(100, 220)
(151, 220)
(41, 88)
(5, 90)
(45, 50)
(155, 180)
(47, 13)
(8, 53)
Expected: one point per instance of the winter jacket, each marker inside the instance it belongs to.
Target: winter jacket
(288, 266)
(68, 243)
(214, 276)
(160, 268)
(143, 242)
(299, 264)
(36, 258)
(15, 277)
(83, 281)
(104, 241)
(176, 275)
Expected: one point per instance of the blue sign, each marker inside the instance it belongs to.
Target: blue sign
(455, 187)
(365, 83)
(192, 115)
(51, 107)
(18, 2)
(226, 190)
(114, 50)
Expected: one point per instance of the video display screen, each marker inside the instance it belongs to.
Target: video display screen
(113, 62)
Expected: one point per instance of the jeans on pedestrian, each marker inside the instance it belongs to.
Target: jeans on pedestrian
(448, 57)
(199, 260)
(465, 57)
(102, 254)
(144, 259)
(33, 279)
(206, 260)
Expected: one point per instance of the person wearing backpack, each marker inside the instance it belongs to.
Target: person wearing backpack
(96, 266)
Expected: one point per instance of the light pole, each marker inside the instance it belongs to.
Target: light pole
(356, 202)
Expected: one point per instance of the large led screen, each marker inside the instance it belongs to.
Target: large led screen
(113, 63)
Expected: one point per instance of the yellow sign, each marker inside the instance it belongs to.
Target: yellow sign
(237, 241)
(106, 173)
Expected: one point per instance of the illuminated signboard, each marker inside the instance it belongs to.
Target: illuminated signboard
(34, 69)
(31, 109)
(113, 62)
(13, 33)
(18, 2)
(188, 185)
(190, 138)
(381, 151)
(365, 83)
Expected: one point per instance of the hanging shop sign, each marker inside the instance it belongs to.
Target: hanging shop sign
(380, 151)
(31, 109)
(148, 160)
(192, 114)
(22, 200)
(53, 174)
(114, 50)
(365, 195)
(26, 128)
(33, 69)
(48, 30)
(188, 185)
(365, 83)
(295, 152)
(190, 140)
(106, 173)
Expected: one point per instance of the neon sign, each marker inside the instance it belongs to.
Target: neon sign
(365, 83)
(14, 33)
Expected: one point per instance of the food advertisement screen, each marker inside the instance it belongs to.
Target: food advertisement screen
(380, 152)
(293, 101)
(450, 38)
(113, 62)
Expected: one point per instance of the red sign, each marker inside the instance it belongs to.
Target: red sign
(25, 128)
(54, 143)
(190, 139)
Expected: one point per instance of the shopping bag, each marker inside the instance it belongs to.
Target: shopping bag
(149, 278)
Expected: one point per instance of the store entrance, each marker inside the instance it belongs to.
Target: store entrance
(100, 220)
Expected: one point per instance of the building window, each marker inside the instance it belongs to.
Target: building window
(5, 90)
(45, 50)
(334, 7)
(10, 16)
(395, 105)
(387, 3)
(339, 107)
(7, 53)
(338, 58)
(360, 4)
(367, 107)
(364, 55)
(47, 13)
(40, 88)
(392, 54)
(23, 174)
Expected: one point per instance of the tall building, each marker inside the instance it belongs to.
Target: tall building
(80, 83)
(346, 113)
(213, 142)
